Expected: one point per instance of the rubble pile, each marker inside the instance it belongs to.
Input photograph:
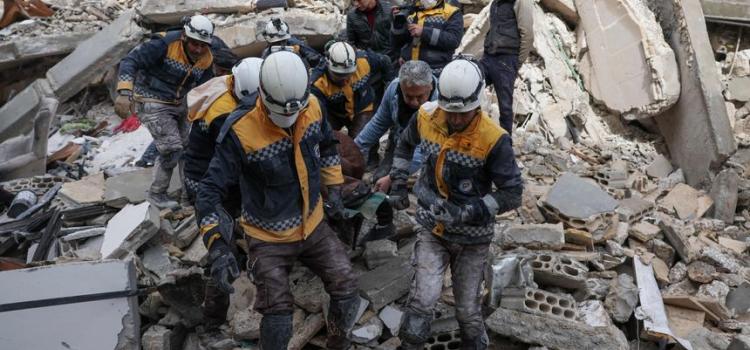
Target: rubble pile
(633, 230)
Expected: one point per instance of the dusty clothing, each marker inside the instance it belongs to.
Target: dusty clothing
(432, 256)
(280, 174)
(441, 36)
(169, 128)
(501, 71)
(159, 69)
(269, 265)
(511, 29)
(373, 36)
(353, 126)
(460, 167)
(343, 103)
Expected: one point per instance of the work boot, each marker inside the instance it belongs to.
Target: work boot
(341, 317)
(414, 331)
(275, 331)
(381, 232)
(162, 201)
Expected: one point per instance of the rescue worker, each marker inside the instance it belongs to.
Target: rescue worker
(431, 33)
(414, 86)
(281, 153)
(344, 85)
(507, 45)
(157, 76)
(209, 105)
(466, 154)
(368, 26)
(276, 34)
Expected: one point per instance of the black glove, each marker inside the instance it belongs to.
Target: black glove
(399, 195)
(224, 268)
(334, 206)
(451, 214)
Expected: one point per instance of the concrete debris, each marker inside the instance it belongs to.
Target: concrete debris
(535, 236)
(634, 209)
(641, 64)
(87, 190)
(738, 299)
(183, 290)
(171, 12)
(696, 129)
(687, 202)
(369, 332)
(578, 203)
(111, 323)
(716, 291)
(473, 41)
(644, 231)
(246, 325)
(554, 333)
(540, 302)
(309, 293)
(156, 260)
(593, 313)
(302, 335)
(160, 338)
(659, 167)
(684, 321)
(132, 187)
(740, 342)
(622, 298)
(379, 252)
(386, 283)
(392, 319)
(565, 8)
(701, 272)
(724, 191)
(133, 226)
(555, 271)
(726, 11)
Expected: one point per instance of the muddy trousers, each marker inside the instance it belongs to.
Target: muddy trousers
(501, 72)
(432, 255)
(269, 265)
(169, 127)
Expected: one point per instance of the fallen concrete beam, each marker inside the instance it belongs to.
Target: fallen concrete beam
(636, 74)
(555, 333)
(170, 12)
(473, 40)
(91, 57)
(386, 283)
(243, 35)
(104, 323)
(696, 129)
(24, 126)
(19, 51)
(727, 11)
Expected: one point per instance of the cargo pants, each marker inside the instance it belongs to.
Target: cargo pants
(169, 128)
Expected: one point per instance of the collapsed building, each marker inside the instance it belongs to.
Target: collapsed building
(633, 137)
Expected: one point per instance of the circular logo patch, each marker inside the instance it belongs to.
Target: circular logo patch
(465, 186)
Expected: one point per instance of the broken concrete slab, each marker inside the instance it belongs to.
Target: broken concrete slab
(740, 342)
(687, 202)
(578, 203)
(565, 8)
(241, 33)
(392, 318)
(738, 299)
(637, 73)
(196, 253)
(701, 272)
(724, 191)
(659, 167)
(679, 235)
(633, 209)
(684, 321)
(16, 52)
(726, 11)
(133, 226)
(159, 12)
(161, 338)
(379, 252)
(738, 89)
(184, 290)
(368, 332)
(386, 283)
(246, 325)
(473, 40)
(302, 335)
(554, 333)
(156, 260)
(593, 313)
(97, 53)
(534, 236)
(309, 293)
(622, 298)
(88, 190)
(716, 291)
(696, 129)
(644, 231)
(24, 128)
(100, 323)
(557, 271)
(132, 187)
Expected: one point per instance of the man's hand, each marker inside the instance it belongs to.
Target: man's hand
(224, 268)
(451, 214)
(399, 196)
(334, 206)
(383, 184)
(415, 30)
(124, 105)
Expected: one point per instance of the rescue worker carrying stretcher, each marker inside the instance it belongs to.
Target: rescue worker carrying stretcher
(466, 153)
(280, 154)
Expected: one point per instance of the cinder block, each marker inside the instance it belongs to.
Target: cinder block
(540, 302)
(448, 340)
(553, 270)
(634, 209)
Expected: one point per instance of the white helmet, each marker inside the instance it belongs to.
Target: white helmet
(283, 87)
(429, 4)
(199, 28)
(246, 74)
(276, 30)
(342, 59)
(460, 86)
